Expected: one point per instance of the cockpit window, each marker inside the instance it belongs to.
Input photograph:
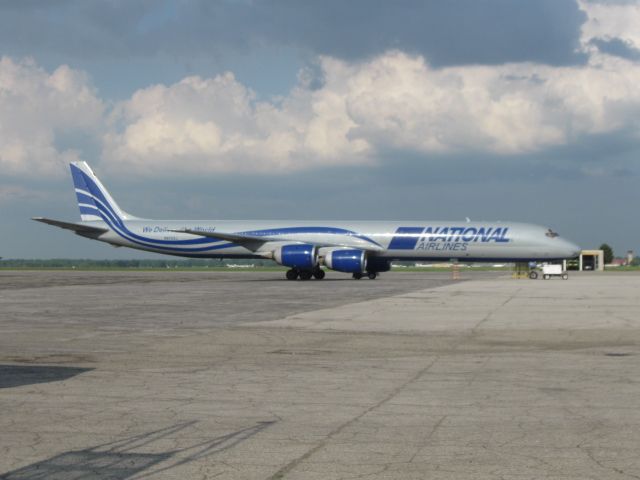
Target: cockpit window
(551, 234)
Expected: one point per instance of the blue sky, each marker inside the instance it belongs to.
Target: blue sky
(489, 109)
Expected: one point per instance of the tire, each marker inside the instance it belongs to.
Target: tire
(292, 274)
(546, 277)
(372, 275)
(533, 275)
(357, 276)
(319, 274)
(306, 275)
(565, 276)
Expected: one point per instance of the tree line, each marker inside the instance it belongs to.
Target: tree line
(607, 253)
(90, 263)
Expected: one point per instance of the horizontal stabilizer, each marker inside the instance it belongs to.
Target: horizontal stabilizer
(76, 227)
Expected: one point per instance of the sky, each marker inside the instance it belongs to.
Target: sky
(286, 109)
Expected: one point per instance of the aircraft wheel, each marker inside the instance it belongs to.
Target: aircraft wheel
(372, 275)
(357, 276)
(306, 275)
(292, 274)
(319, 274)
(533, 275)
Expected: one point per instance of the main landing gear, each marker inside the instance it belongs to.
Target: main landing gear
(370, 275)
(318, 274)
(294, 274)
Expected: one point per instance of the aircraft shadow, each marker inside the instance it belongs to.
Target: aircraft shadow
(311, 281)
(18, 375)
(123, 459)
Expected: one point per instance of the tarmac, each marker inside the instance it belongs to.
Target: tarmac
(244, 375)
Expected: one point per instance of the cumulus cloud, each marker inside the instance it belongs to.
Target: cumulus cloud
(394, 101)
(611, 24)
(36, 109)
(508, 109)
(342, 113)
(216, 124)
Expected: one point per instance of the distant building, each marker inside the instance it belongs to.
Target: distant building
(630, 257)
(591, 260)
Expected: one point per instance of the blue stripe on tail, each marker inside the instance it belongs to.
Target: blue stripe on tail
(86, 203)
(92, 197)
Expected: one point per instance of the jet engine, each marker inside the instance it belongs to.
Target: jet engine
(298, 256)
(348, 261)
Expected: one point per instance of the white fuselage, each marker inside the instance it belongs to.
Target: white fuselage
(345, 246)
(428, 240)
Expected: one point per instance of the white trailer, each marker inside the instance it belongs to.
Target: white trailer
(549, 271)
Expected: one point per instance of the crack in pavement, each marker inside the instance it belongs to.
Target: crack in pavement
(294, 463)
(490, 314)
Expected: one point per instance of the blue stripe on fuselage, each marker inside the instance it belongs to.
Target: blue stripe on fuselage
(114, 219)
(108, 213)
(272, 232)
(405, 238)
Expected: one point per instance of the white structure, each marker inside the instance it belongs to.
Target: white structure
(591, 260)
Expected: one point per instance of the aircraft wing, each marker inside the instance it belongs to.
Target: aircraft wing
(251, 242)
(254, 242)
(79, 228)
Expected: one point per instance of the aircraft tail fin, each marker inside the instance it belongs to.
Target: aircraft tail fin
(94, 200)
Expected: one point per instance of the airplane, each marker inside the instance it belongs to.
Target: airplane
(361, 248)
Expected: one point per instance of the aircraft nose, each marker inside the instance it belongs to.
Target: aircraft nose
(572, 250)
